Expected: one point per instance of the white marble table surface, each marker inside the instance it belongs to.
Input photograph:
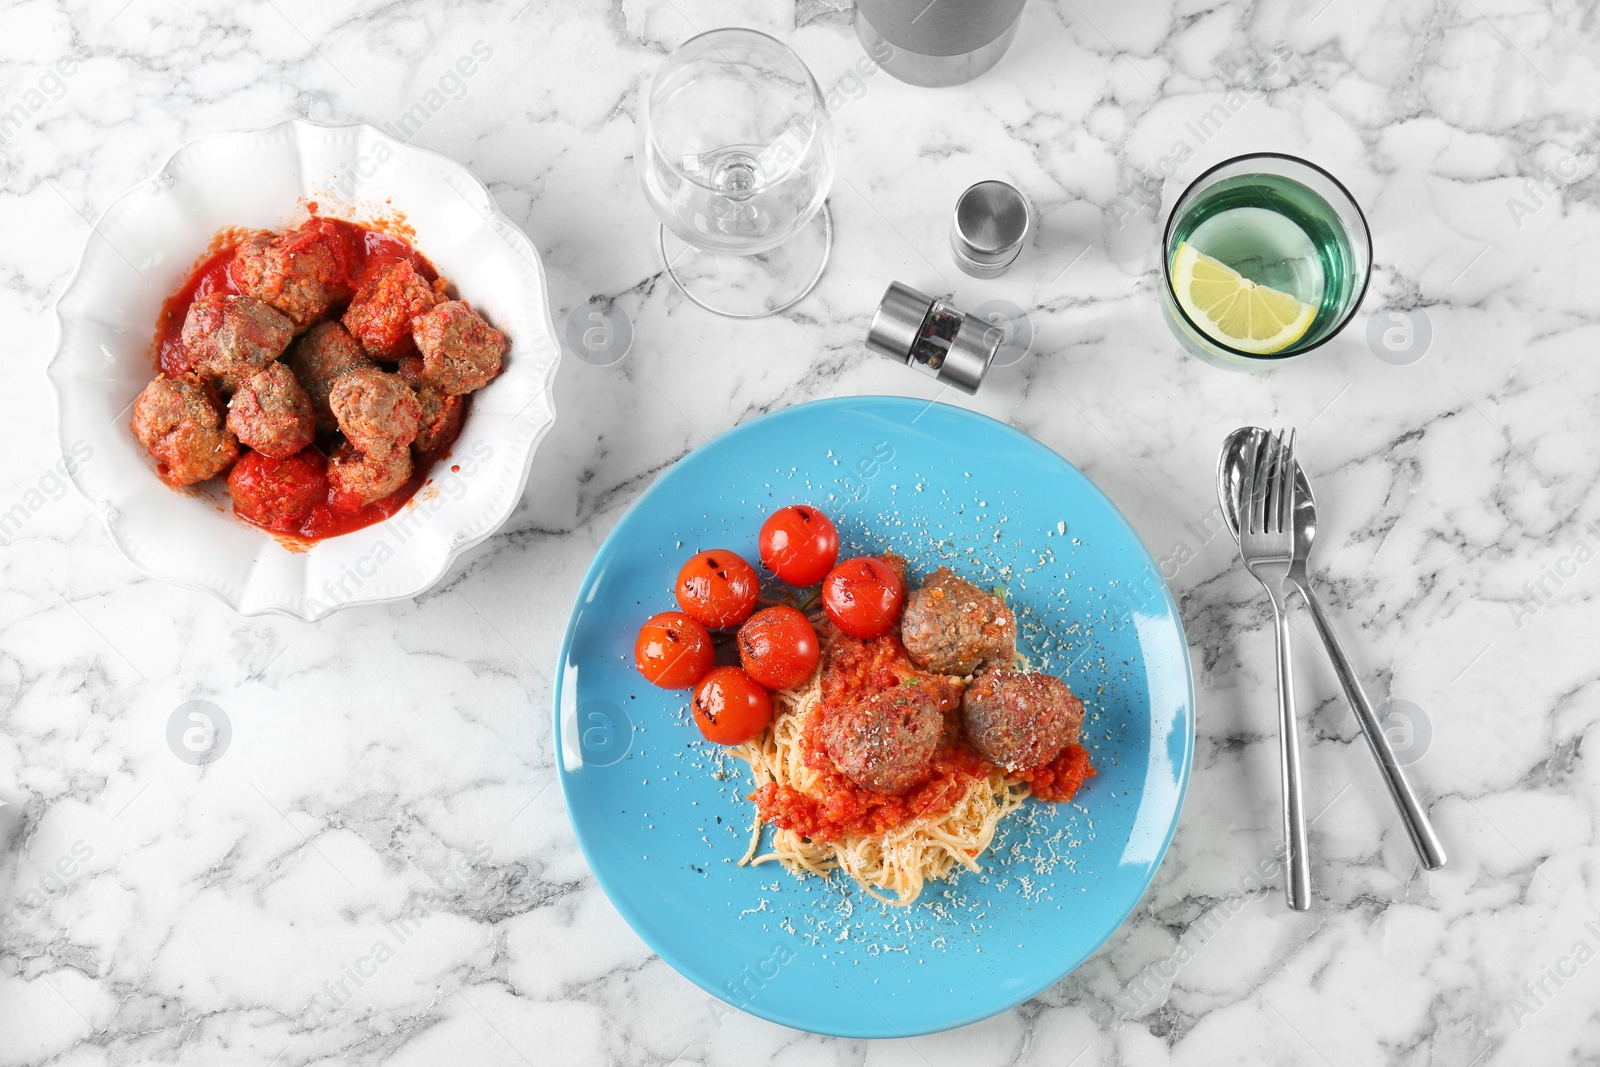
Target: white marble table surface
(155, 913)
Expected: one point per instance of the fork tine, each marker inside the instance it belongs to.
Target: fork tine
(1269, 482)
(1268, 450)
(1280, 487)
(1275, 504)
(1286, 484)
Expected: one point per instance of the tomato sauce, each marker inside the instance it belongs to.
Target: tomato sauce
(360, 252)
(211, 276)
(366, 252)
(846, 808)
(854, 670)
(857, 669)
(325, 520)
(1061, 778)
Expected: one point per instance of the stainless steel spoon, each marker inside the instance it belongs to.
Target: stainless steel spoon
(1230, 478)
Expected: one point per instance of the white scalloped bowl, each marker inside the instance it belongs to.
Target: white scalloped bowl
(140, 252)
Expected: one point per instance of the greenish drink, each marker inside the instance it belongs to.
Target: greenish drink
(1265, 258)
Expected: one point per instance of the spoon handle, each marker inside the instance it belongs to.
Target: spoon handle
(1416, 821)
(1297, 878)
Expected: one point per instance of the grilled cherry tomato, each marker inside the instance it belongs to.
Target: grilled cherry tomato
(778, 648)
(718, 588)
(730, 708)
(799, 544)
(673, 650)
(863, 597)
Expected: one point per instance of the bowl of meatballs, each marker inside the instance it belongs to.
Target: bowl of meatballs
(304, 368)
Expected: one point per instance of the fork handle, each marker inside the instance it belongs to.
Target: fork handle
(1417, 825)
(1297, 882)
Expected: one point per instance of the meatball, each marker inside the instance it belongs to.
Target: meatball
(950, 626)
(272, 414)
(357, 478)
(1020, 720)
(298, 272)
(885, 742)
(442, 413)
(228, 337)
(377, 410)
(460, 352)
(180, 421)
(381, 313)
(278, 493)
(317, 359)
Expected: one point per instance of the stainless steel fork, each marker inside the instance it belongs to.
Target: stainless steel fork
(1266, 541)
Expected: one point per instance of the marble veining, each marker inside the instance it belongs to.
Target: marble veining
(379, 866)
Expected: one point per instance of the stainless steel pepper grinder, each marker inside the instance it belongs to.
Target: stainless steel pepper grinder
(946, 42)
(934, 337)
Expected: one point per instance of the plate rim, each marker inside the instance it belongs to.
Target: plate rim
(644, 930)
(305, 609)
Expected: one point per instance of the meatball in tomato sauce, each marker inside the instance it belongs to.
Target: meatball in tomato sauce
(442, 413)
(951, 626)
(376, 410)
(272, 414)
(461, 353)
(1019, 721)
(227, 338)
(885, 742)
(278, 493)
(180, 421)
(318, 359)
(356, 478)
(381, 313)
(299, 272)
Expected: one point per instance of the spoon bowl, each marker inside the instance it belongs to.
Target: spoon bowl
(1230, 490)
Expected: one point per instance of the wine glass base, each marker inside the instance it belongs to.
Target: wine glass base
(751, 287)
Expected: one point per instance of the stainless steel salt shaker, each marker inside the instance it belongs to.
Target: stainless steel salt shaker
(988, 228)
(943, 43)
(933, 336)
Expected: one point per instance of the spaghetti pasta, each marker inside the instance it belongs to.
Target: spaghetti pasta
(893, 866)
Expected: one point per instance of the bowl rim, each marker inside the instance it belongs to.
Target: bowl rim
(313, 610)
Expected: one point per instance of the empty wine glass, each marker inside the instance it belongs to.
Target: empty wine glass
(735, 152)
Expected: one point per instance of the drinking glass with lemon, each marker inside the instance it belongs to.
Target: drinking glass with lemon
(1266, 256)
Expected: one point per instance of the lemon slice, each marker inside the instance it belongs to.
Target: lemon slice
(1233, 309)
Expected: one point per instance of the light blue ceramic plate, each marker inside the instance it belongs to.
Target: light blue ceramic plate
(663, 818)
